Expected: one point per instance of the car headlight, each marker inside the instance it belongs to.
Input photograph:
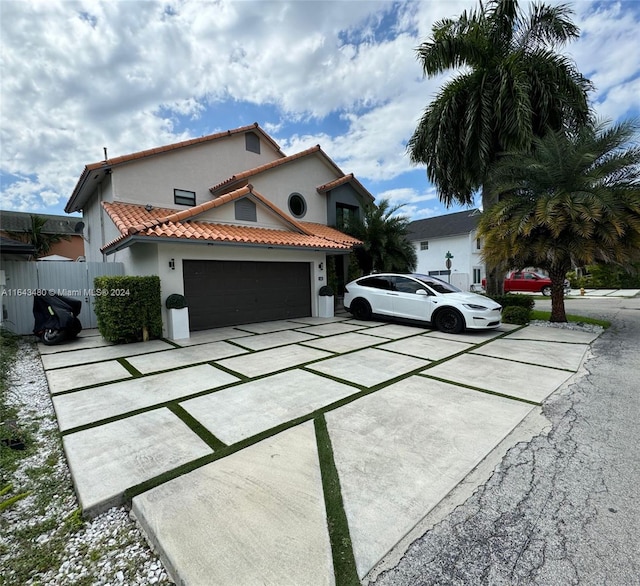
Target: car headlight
(473, 306)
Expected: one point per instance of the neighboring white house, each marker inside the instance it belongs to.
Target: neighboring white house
(228, 220)
(452, 235)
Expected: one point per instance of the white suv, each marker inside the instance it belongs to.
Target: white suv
(422, 298)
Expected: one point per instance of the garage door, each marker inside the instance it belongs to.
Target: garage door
(224, 293)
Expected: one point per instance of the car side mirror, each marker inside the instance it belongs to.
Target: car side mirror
(422, 292)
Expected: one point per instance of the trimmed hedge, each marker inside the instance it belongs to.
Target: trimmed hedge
(514, 300)
(513, 314)
(128, 308)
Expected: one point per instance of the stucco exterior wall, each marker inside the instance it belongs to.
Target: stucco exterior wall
(303, 177)
(142, 259)
(195, 168)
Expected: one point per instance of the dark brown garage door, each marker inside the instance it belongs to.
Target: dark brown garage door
(224, 293)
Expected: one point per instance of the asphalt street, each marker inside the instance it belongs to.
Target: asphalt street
(562, 508)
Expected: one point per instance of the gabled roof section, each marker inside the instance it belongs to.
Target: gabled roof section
(449, 225)
(193, 212)
(76, 201)
(136, 223)
(240, 178)
(351, 179)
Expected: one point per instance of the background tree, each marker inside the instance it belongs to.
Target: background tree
(35, 236)
(572, 201)
(384, 235)
(513, 87)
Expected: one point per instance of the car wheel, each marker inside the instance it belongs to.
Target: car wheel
(449, 321)
(546, 291)
(360, 309)
(51, 337)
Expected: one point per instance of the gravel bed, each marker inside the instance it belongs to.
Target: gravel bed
(593, 328)
(107, 550)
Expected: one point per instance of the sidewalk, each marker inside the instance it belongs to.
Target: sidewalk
(229, 446)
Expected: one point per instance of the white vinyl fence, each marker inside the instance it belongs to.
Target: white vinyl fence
(20, 280)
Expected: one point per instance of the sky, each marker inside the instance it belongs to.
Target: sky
(78, 76)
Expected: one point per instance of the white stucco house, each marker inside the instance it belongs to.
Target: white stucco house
(228, 220)
(453, 235)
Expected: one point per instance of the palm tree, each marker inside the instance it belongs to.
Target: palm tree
(573, 200)
(384, 235)
(35, 236)
(513, 87)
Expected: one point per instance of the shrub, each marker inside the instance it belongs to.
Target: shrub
(176, 301)
(128, 308)
(514, 314)
(514, 300)
(325, 291)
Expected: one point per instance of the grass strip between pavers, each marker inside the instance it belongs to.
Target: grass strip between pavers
(194, 425)
(479, 389)
(344, 563)
(132, 370)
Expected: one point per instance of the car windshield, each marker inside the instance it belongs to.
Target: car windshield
(436, 284)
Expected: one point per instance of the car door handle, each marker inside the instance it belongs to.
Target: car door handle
(394, 294)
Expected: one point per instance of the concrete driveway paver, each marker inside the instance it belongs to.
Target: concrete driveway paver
(426, 347)
(523, 381)
(90, 405)
(567, 356)
(215, 335)
(318, 320)
(395, 331)
(344, 342)
(179, 357)
(75, 357)
(554, 335)
(73, 377)
(242, 411)
(330, 329)
(401, 450)
(267, 327)
(268, 361)
(473, 336)
(368, 367)
(107, 460)
(254, 517)
(257, 516)
(273, 340)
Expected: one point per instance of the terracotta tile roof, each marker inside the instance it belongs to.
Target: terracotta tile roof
(239, 177)
(179, 145)
(330, 233)
(336, 183)
(341, 181)
(135, 221)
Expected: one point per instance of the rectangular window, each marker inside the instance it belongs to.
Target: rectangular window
(478, 244)
(345, 215)
(184, 198)
(424, 245)
(477, 276)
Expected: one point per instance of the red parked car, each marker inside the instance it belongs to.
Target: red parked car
(529, 282)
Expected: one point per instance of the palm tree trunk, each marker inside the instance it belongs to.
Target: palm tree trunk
(557, 276)
(495, 278)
